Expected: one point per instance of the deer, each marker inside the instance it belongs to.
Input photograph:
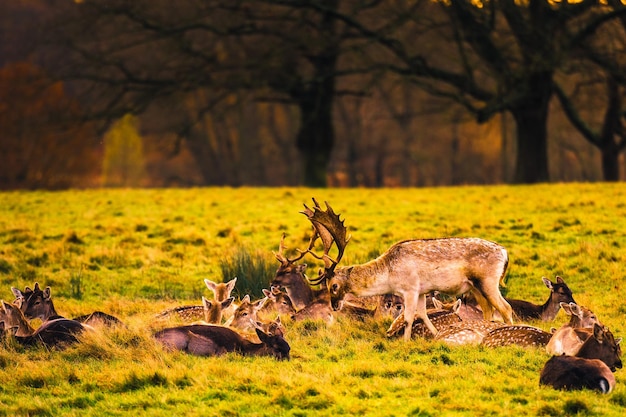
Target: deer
(440, 317)
(574, 373)
(411, 269)
(277, 302)
(221, 293)
(567, 339)
(246, 315)
(203, 340)
(37, 304)
(471, 332)
(525, 310)
(54, 333)
(520, 335)
(213, 309)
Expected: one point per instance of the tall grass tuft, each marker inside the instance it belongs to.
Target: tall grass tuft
(254, 271)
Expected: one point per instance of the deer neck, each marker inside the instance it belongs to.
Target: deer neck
(367, 279)
(23, 327)
(549, 310)
(300, 293)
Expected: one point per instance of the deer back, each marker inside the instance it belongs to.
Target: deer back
(56, 333)
(467, 332)
(573, 373)
(210, 340)
(520, 335)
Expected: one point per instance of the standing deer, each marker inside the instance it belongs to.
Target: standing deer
(413, 268)
(573, 373)
(205, 340)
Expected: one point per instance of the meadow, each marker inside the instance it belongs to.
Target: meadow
(134, 253)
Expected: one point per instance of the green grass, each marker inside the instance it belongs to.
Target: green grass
(134, 253)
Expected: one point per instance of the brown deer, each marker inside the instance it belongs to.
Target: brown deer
(37, 304)
(567, 339)
(203, 340)
(246, 315)
(277, 302)
(413, 268)
(601, 344)
(191, 313)
(439, 316)
(559, 293)
(573, 373)
(54, 333)
(213, 309)
(519, 335)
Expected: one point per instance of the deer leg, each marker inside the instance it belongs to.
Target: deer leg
(484, 305)
(410, 304)
(495, 299)
(421, 313)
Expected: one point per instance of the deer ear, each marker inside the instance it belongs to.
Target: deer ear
(227, 302)
(547, 282)
(210, 284)
(231, 284)
(559, 280)
(47, 292)
(262, 335)
(266, 292)
(17, 293)
(206, 303)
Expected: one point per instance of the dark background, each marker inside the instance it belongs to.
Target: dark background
(154, 93)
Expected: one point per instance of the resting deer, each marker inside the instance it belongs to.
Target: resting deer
(439, 316)
(277, 303)
(559, 293)
(519, 335)
(221, 293)
(573, 373)
(246, 315)
(567, 339)
(55, 333)
(213, 309)
(37, 304)
(413, 268)
(467, 332)
(205, 340)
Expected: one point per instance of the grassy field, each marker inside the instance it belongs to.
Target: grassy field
(133, 253)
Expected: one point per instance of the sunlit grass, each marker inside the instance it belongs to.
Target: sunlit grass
(134, 253)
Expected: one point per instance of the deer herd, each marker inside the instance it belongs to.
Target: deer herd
(443, 289)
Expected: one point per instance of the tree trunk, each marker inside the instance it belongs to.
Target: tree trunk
(610, 163)
(531, 118)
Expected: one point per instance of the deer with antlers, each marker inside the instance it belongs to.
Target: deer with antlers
(412, 269)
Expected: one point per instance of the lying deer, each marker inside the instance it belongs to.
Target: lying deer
(55, 333)
(37, 304)
(519, 335)
(203, 340)
(413, 268)
(246, 315)
(277, 302)
(221, 293)
(573, 373)
(470, 332)
(567, 339)
(525, 310)
(439, 316)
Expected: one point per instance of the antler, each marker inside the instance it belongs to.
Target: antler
(284, 261)
(330, 228)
